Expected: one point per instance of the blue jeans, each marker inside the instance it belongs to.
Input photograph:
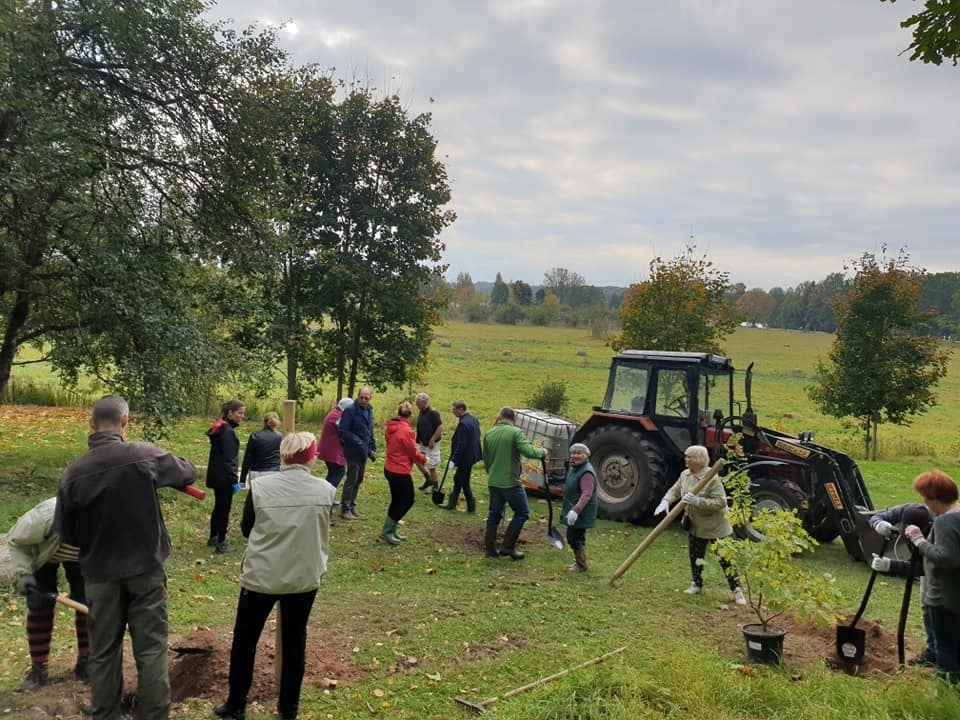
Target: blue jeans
(516, 498)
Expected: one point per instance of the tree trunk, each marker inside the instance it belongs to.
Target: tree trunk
(15, 322)
(292, 367)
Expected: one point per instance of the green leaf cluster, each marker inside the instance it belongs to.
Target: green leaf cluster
(680, 307)
(878, 369)
(770, 571)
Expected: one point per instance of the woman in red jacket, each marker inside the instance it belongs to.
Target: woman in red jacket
(402, 455)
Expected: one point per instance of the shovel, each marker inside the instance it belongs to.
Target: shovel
(438, 495)
(851, 640)
(552, 532)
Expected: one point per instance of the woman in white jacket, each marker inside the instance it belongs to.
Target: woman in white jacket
(286, 520)
(706, 512)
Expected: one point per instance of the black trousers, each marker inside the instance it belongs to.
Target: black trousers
(252, 611)
(220, 517)
(401, 494)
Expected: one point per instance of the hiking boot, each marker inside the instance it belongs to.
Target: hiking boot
(222, 548)
(349, 516)
(212, 541)
(80, 672)
(694, 589)
(738, 597)
(225, 711)
(35, 679)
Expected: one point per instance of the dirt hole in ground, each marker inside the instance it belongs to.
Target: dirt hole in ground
(199, 664)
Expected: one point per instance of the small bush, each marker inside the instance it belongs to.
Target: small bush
(551, 396)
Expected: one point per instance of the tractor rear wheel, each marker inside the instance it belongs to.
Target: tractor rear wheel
(631, 472)
(771, 494)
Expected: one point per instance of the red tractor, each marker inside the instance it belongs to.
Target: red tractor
(659, 403)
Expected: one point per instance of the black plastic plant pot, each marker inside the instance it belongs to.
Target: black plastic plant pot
(763, 646)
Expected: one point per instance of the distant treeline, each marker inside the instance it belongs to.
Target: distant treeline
(808, 306)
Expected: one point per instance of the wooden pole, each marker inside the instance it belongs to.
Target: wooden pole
(289, 424)
(677, 509)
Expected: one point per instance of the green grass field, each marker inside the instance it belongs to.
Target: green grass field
(430, 620)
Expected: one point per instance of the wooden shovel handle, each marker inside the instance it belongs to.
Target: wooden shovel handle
(653, 534)
(65, 599)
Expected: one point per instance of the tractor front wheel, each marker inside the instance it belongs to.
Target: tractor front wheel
(631, 473)
(771, 494)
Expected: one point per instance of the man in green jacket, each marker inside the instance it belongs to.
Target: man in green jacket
(504, 445)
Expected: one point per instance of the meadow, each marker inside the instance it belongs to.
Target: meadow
(413, 626)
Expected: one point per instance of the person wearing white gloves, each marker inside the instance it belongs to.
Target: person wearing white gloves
(886, 523)
(706, 512)
(579, 504)
(941, 566)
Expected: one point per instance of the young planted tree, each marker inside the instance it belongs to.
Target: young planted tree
(878, 369)
(681, 307)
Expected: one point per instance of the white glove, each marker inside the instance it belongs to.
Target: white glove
(572, 517)
(691, 499)
(915, 534)
(883, 527)
(880, 564)
(662, 507)
(450, 465)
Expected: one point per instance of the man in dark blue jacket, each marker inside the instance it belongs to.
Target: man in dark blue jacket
(359, 445)
(465, 452)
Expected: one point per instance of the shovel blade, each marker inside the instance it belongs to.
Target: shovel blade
(437, 496)
(555, 538)
(851, 643)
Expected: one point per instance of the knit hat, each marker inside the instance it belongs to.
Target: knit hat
(345, 403)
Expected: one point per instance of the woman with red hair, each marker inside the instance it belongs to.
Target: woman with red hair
(941, 563)
(286, 520)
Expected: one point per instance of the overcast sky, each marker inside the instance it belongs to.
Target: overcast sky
(787, 137)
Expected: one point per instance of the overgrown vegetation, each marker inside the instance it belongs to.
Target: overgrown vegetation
(481, 628)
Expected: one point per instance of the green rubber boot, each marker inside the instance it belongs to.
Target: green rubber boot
(389, 532)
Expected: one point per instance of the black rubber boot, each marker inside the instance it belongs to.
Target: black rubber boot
(225, 711)
(490, 543)
(509, 547)
(80, 671)
(452, 500)
(35, 679)
(471, 506)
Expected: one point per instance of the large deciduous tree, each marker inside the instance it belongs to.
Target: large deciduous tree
(559, 281)
(878, 370)
(936, 31)
(358, 223)
(122, 168)
(681, 307)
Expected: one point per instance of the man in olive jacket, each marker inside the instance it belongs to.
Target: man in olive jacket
(504, 446)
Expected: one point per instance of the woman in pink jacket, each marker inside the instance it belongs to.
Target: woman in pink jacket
(402, 455)
(330, 450)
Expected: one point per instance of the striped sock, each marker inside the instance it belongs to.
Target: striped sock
(39, 631)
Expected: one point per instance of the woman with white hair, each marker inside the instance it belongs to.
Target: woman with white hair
(286, 520)
(579, 504)
(707, 515)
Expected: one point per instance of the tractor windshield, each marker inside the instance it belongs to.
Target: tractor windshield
(628, 391)
(715, 394)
